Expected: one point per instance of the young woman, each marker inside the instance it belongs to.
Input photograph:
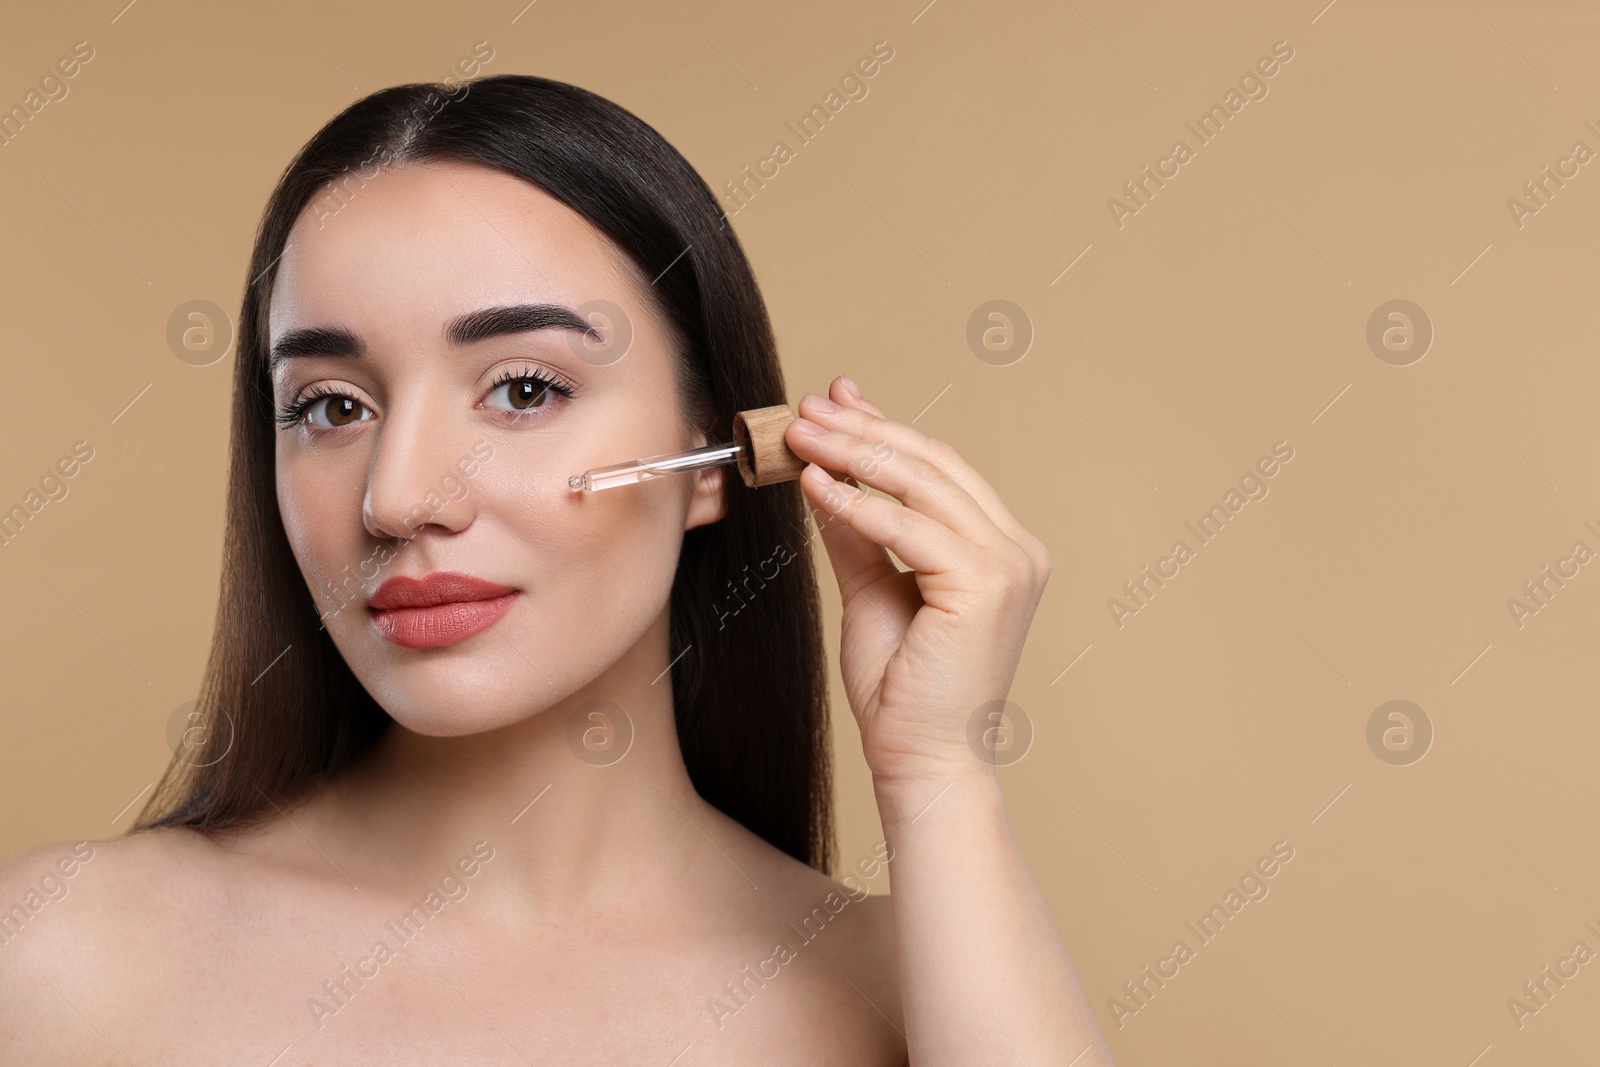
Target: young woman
(488, 770)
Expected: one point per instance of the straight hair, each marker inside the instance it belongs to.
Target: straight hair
(749, 691)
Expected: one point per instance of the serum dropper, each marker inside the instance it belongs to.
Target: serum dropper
(758, 450)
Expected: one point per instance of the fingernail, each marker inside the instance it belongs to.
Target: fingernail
(807, 426)
(848, 384)
(822, 404)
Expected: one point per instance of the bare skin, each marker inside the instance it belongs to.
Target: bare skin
(171, 948)
(615, 908)
(607, 908)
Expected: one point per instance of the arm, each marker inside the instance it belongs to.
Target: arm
(925, 653)
(984, 977)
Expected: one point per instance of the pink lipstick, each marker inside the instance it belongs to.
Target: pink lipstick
(442, 609)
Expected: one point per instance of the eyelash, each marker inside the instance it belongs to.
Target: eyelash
(292, 413)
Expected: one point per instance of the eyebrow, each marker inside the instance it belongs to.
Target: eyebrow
(337, 341)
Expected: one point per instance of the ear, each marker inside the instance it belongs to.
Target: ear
(705, 500)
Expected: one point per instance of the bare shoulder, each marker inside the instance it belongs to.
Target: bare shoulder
(69, 887)
(871, 954)
(52, 892)
(865, 920)
(859, 949)
(72, 909)
(845, 931)
(60, 899)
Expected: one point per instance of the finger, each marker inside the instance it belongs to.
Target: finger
(926, 546)
(864, 419)
(842, 394)
(857, 561)
(915, 482)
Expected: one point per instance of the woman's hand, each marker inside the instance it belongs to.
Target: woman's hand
(925, 653)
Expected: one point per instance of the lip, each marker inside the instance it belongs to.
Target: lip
(441, 609)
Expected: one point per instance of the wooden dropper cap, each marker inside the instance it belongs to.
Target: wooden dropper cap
(764, 457)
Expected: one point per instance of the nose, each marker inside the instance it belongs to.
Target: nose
(414, 479)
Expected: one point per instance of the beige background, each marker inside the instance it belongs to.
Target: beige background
(1227, 315)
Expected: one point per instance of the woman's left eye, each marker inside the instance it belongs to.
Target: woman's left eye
(528, 392)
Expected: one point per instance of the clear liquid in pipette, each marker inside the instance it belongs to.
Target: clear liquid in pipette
(640, 470)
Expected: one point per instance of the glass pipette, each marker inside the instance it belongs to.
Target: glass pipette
(757, 449)
(639, 470)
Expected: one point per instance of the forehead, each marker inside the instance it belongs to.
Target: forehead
(415, 246)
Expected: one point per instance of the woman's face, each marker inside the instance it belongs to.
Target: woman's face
(439, 448)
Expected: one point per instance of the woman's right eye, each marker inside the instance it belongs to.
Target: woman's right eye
(339, 410)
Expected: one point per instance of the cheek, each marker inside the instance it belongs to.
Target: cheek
(621, 541)
(317, 506)
(597, 567)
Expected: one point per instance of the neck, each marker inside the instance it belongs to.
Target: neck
(572, 806)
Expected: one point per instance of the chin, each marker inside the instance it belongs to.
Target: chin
(454, 709)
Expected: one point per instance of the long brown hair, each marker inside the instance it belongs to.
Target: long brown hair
(750, 694)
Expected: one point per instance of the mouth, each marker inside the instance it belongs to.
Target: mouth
(442, 609)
